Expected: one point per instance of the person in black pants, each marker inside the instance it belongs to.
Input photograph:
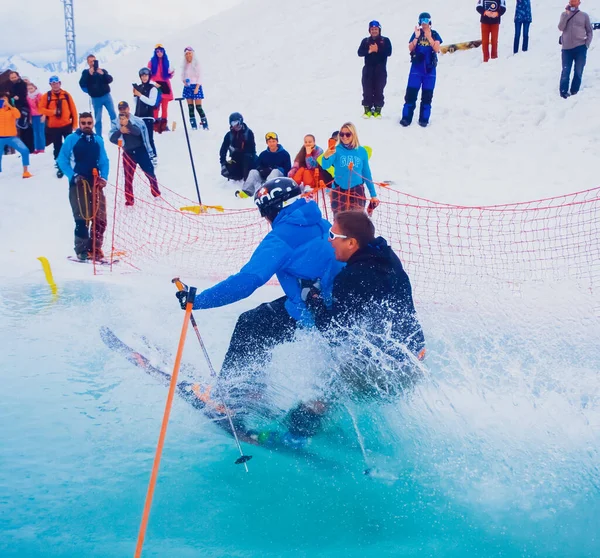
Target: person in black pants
(18, 94)
(375, 49)
(239, 144)
(135, 154)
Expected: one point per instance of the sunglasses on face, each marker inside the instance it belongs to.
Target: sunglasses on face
(345, 134)
(86, 122)
(333, 236)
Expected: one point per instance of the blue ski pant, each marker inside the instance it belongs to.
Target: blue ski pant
(98, 103)
(419, 79)
(39, 133)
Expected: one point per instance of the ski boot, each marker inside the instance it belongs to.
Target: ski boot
(368, 113)
(405, 122)
(377, 112)
(204, 123)
(423, 123)
(193, 123)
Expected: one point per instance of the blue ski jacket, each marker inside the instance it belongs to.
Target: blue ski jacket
(296, 248)
(81, 153)
(361, 172)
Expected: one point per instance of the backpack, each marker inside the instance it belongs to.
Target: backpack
(58, 103)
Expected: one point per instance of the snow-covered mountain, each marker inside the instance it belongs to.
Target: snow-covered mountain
(53, 60)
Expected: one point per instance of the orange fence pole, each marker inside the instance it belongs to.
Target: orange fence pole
(112, 240)
(165, 423)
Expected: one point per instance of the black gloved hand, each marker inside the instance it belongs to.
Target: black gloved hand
(224, 171)
(182, 296)
(264, 172)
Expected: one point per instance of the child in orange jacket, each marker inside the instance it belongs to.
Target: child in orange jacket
(8, 132)
(303, 169)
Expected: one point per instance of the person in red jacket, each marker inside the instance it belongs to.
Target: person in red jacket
(161, 74)
(491, 12)
(8, 132)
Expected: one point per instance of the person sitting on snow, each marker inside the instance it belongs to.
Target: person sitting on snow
(273, 162)
(239, 143)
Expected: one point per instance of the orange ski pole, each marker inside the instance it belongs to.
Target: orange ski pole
(165, 423)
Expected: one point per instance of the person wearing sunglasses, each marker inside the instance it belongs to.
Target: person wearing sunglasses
(61, 116)
(161, 74)
(83, 153)
(491, 12)
(424, 45)
(240, 145)
(352, 172)
(272, 163)
(375, 49)
(295, 250)
(372, 294)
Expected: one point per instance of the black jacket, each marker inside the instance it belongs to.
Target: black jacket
(498, 6)
(19, 89)
(95, 85)
(373, 292)
(238, 143)
(384, 47)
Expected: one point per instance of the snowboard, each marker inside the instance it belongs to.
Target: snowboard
(193, 393)
(449, 49)
(97, 262)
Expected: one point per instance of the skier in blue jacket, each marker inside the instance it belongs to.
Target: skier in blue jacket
(297, 251)
(424, 45)
(273, 162)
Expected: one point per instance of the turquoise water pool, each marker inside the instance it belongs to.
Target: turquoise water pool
(496, 454)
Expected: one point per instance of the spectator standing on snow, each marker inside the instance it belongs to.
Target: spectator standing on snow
(523, 20)
(132, 131)
(424, 45)
(61, 116)
(192, 87)
(37, 119)
(240, 145)
(305, 164)
(491, 12)
(273, 162)
(576, 38)
(96, 83)
(161, 74)
(18, 94)
(8, 132)
(375, 49)
(83, 153)
(146, 98)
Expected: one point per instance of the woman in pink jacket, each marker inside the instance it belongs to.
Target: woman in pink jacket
(161, 74)
(192, 87)
(37, 119)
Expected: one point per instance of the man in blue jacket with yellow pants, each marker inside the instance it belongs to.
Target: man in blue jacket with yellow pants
(424, 46)
(297, 251)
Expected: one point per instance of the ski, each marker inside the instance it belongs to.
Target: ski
(90, 261)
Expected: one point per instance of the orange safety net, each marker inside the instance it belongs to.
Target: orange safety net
(445, 248)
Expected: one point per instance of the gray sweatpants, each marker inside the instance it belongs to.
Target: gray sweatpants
(255, 181)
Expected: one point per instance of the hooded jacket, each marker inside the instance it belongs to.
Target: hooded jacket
(296, 248)
(270, 160)
(8, 121)
(374, 293)
(81, 153)
(360, 173)
(115, 132)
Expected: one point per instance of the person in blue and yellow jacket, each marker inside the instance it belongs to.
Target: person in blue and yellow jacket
(352, 172)
(297, 251)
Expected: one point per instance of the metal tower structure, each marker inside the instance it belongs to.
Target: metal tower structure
(70, 35)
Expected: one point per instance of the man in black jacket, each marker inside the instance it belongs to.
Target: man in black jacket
(18, 95)
(239, 143)
(375, 49)
(96, 83)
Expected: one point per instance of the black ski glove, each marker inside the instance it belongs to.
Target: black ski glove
(224, 171)
(182, 296)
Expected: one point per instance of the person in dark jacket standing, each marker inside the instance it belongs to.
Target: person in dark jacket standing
(375, 49)
(81, 155)
(576, 38)
(18, 95)
(240, 145)
(96, 83)
(273, 162)
(146, 99)
(424, 45)
(523, 20)
(132, 130)
(491, 12)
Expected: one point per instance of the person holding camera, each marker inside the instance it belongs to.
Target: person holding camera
(423, 46)
(84, 162)
(8, 132)
(576, 38)
(273, 162)
(375, 49)
(132, 131)
(96, 83)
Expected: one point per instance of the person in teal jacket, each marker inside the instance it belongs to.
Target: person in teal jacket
(352, 172)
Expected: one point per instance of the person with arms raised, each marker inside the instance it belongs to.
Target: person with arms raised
(96, 83)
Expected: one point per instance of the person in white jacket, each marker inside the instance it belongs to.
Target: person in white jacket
(192, 87)
(146, 99)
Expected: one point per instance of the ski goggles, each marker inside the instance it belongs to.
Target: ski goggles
(425, 20)
(54, 79)
(235, 123)
(333, 236)
(270, 136)
(188, 49)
